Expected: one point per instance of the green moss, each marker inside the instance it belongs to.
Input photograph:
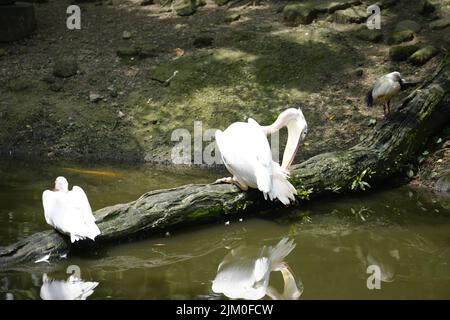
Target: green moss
(204, 212)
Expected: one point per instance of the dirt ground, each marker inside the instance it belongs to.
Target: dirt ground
(254, 67)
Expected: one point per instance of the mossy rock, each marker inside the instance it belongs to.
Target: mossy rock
(147, 51)
(127, 52)
(402, 53)
(141, 51)
(221, 2)
(296, 14)
(440, 24)
(186, 7)
(351, 15)
(408, 25)
(421, 56)
(369, 35)
(401, 36)
(65, 67)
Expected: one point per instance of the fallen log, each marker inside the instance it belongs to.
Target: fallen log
(385, 152)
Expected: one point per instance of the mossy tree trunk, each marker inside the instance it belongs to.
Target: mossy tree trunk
(387, 149)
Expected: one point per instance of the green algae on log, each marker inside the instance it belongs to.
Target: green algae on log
(390, 144)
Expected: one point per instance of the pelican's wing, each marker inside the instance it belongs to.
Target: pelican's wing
(83, 209)
(49, 202)
(80, 199)
(246, 153)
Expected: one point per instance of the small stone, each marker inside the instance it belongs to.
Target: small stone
(120, 114)
(186, 7)
(408, 25)
(126, 35)
(147, 2)
(233, 17)
(440, 24)
(65, 67)
(203, 41)
(421, 56)
(126, 52)
(401, 36)
(94, 97)
(401, 53)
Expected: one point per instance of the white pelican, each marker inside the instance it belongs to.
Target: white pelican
(385, 88)
(246, 154)
(243, 276)
(69, 211)
(72, 289)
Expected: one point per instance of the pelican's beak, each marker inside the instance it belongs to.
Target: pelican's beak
(295, 130)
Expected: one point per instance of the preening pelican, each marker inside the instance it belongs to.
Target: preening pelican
(72, 289)
(385, 88)
(246, 154)
(242, 275)
(69, 211)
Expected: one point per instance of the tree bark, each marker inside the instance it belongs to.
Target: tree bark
(388, 148)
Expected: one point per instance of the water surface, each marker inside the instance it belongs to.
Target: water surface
(404, 231)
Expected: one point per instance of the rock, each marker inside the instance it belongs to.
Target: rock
(440, 24)
(221, 2)
(94, 97)
(127, 52)
(233, 17)
(408, 25)
(443, 183)
(147, 51)
(186, 7)
(421, 56)
(295, 14)
(126, 35)
(16, 21)
(426, 8)
(147, 2)
(369, 35)
(330, 7)
(401, 36)
(356, 14)
(203, 41)
(401, 53)
(112, 91)
(65, 67)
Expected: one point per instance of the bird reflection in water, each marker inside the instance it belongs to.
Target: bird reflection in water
(245, 275)
(71, 289)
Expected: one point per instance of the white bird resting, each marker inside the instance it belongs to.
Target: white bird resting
(244, 275)
(246, 153)
(69, 212)
(71, 289)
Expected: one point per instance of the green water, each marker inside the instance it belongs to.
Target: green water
(405, 232)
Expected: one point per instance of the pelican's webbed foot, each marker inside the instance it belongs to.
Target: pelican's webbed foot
(231, 180)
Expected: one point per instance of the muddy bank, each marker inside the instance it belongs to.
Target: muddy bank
(97, 93)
